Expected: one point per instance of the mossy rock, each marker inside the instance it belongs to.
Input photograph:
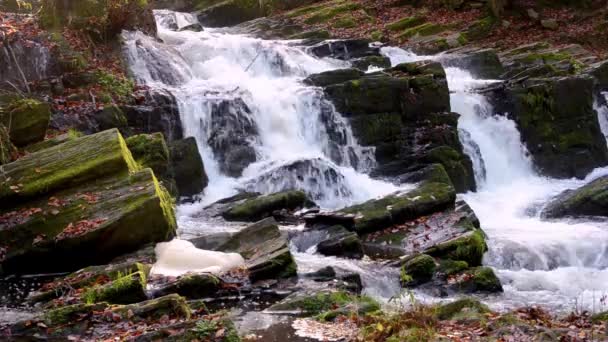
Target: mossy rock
(230, 13)
(188, 168)
(430, 173)
(173, 306)
(70, 313)
(417, 270)
(326, 304)
(480, 29)
(452, 309)
(458, 166)
(477, 280)
(257, 208)
(325, 13)
(333, 77)
(193, 286)
(427, 198)
(126, 289)
(26, 119)
(451, 267)
(405, 23)
(150, 150)
(588, 200)
(423, 30)
(88, 224)
(7, 149)
(341, 242)
(266, 250)
(469, 248)
(365, 63)
(54, 141)
(111, 117)
(68, 164)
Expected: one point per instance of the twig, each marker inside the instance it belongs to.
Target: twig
(16, 89)
(254, 59)
(8, 48)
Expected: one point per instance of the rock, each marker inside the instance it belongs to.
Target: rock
(7, 149)
(532, 14)
(192, 27)
(265, 249)
(588, 200)
(150, 150)
(192, 286)
(432, 173)
(483, 64)
(478, 279)
(86, 277)
(600, 72)
(127, 289)
(407, 131)
(157, 113)
(111, 117)
(344, 49)
(417, 270)
(171, 305)
(325, 274)
(365, 63)
(276, 28)
(215, 328)
(450, 267)
(212, 241)
(188, 168)
(550, 24)
(557, 123)
(333, 77)
(453, 309)
(233, 134)
(479, 29)
(86, 224)
(26, 119)
(229, 13)
(399, 207)
(71, 163)
(341, 242)
(257, 208)
(310, 303)
(54, 141)
(405, 23)
(469, 248)
(97, 18)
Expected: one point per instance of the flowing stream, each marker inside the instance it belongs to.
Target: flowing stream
(282, 125)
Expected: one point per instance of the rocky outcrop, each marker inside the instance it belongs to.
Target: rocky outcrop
(482, 63)
(79, 203)
(341, 242)
(157, 113)
(588, 200)
(188, 168)
(557, 123)
(150, 150)
(404, 113)
(230, 12)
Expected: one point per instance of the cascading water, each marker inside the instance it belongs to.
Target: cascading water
(601, 106)
(559, 264)
(243, 99)
(292, 137)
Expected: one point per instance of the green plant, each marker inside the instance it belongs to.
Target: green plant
(206, 328)
(120, 86)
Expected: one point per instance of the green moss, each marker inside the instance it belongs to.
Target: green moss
(173, 306)
(70, 313)
(481, 28)
(484, 280)
(345, 22)
(423, 30)
(462, 39)
(118, 85)
(417, 270)
(123, 290)
(150, 150)
(326, 13)
(405, 23)
(327, 305)
(469, 248)
(450, 310)
(26, 120)
(376, 35)
(450, 267)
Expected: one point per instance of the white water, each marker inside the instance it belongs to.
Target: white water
(205, 68)
(556, 264)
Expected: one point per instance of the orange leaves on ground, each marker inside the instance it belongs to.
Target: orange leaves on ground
(80, 228)
(17, 217)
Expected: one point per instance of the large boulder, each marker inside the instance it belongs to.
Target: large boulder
(157, 113)
(230, 12)
(557, 123)
(265, 249)
(483, 64)
(588, 200)
(404, 113)
(188, 168)
(150, 150)
(26, 119)
(341, 242)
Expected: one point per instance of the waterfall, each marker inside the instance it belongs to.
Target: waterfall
(601, 107)
(243, 100)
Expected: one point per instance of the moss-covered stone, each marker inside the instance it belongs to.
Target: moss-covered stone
(88, 224)
(450, 267)
(417, 270)
(173, 306)
(405, 23)
(469, 248)
(325, 13)
(452, 309)
(341, 242)
(71, 313)
(72, 163)
(150, 150)
(397, 208)
(333, 77)
(457, 165)
(26, 119)
(326, 304)
(588, 200)
(7, 149)
(476, 280)
(257, 208)
(54, 141)
(431, 173)
(193, 286)
(423, 30)
(125, 289)
(188, 168)
(480, 29)
(365, 63)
